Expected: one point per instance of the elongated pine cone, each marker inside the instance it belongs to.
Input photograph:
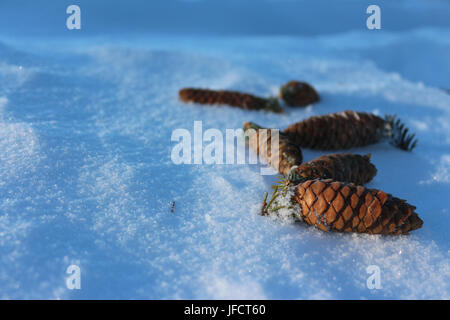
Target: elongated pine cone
(337, 206)
(348, 129)
(344, 167)
(298, 94)
(288, 153)
(232, 98)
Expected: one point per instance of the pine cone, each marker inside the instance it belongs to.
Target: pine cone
(298, 94)
(336, 206)
(232, 98)
(344, 167)
(349, 129)
(288, 153)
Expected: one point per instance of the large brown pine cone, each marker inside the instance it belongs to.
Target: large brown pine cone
(345, 167)
(349, 129)
(298, 94)
(341, 130)
(336, 206)
(288, 153)
(232, 98)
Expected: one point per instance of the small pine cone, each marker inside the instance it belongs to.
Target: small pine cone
(344, 167)
(298, 94)
(349, 129)
(337, 206)
(288, 153)
(232, 98)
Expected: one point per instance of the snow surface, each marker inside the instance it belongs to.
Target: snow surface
(86, 176)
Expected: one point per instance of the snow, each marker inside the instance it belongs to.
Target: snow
(86, 176)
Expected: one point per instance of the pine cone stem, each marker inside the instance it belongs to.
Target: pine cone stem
(232, 98)
(397, 134)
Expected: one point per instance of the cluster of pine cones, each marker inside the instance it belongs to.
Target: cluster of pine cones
(328, 191)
